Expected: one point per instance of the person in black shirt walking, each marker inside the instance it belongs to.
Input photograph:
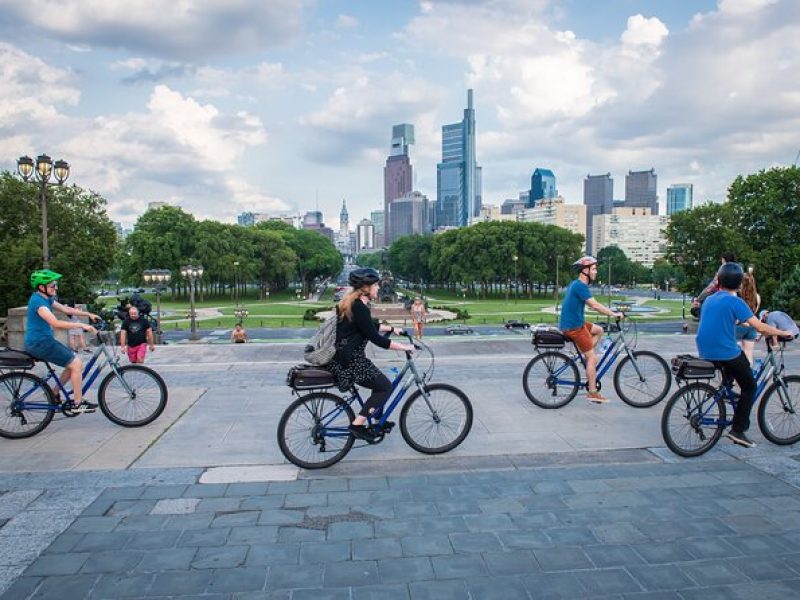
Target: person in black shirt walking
(136, 335)
(355, 329)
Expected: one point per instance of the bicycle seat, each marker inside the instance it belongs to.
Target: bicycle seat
(15, 359)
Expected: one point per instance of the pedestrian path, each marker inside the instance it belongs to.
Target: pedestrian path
(623, 525)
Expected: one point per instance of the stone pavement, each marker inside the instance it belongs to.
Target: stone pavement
(579, 502)
(620, 524)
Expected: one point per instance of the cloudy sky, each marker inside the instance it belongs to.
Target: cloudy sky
(222, 106)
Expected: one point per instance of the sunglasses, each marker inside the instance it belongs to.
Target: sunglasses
(52, 284)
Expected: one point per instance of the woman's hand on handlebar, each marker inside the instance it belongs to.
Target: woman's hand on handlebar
(89, 328)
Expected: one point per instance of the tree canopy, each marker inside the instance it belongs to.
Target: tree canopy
(82, 239)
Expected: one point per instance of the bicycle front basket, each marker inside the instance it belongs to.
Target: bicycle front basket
(15, 359)
(548, 338)
(308, 377)
(686, 366)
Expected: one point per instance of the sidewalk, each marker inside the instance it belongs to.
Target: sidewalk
(580, 502)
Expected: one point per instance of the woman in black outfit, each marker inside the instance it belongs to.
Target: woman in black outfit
(350, 364)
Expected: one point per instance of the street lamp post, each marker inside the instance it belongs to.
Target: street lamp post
(192, 273)
(558, 286)
(44, 168)
(515, 258)
(241, 314)
(235, 282)
(159, 278)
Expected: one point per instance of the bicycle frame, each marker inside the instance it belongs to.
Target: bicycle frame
(91, 371)
(396, 395)
(617, 346)
(769, 371)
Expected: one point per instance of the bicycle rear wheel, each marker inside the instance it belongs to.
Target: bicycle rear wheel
(17, 389)
(438, 423)
(551, 380)
(778, 416)
(312, 432)
(646, 387)
(693, 420)
(133, 396)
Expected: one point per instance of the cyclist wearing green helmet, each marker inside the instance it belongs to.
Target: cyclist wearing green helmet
(40, 342)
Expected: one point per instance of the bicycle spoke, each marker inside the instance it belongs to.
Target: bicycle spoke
(778, 416)
(437, 421)
(313, 432)
(17, 391)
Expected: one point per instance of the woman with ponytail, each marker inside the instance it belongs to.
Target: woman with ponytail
(355, 329)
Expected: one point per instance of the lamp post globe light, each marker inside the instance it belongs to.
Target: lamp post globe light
(241, 314)
(159, 278)
(515, 258)
(192, 273)
(41, 171)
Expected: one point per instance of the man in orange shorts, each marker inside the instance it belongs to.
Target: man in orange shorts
(573, 322)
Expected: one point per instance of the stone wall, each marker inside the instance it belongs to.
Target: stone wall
(15, 324)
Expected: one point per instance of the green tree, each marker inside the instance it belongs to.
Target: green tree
(409, 257)
(623, 271)
(787, 296)
(370, 259)
(696, 238)
(766, 209)
(81, 237)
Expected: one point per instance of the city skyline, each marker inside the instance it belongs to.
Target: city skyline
(289, 108)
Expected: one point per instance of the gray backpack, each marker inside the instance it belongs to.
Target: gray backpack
(322, 347)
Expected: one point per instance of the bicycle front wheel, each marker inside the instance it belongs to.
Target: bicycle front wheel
(643, 381)
(16, 390)
(312, 432)
(778, 416)
(132, 396)
(551, 380)
(436, 421)
(693, 420)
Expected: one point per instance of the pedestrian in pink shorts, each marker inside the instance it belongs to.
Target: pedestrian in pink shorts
(136, 335)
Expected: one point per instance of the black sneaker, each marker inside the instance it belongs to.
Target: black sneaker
(362, 433)
(741, 439)
(84, 407)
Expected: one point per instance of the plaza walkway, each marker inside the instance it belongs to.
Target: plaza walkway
(582, 502)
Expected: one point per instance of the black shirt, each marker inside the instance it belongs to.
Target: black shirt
(350, 334)
(137, 330)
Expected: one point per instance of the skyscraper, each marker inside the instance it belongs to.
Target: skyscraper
(458, 176)
(398, 173)
(598, 196)
(409, 215)
(641, 190)
(365, 236)
(377, 218)
(543, 185)
(679, 197)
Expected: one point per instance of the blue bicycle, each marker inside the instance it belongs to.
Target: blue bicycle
(312, 432)
(551, 379)
(696, 415)
(129, 395)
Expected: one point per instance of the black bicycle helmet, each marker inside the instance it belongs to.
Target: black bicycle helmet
(364, 276)
(730, 276)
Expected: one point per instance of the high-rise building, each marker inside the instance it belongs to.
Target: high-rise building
(598, 197)
(679, 197)
(398, 174)
(313, 220)
(343, 239)
(554, 211)
(409, 215)
(641, 190)
(638, 232)
(248, 219)
(458, 176)
(543, 185)
(512, 206)
(365, 236)
(344, 219)
(377, 218)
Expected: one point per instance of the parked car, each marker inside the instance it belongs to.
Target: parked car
(458, 329)
(514, 324)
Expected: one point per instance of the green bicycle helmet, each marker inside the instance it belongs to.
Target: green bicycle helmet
(43, 277)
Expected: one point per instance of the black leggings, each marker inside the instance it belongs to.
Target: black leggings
(381, 388)
(738, 369)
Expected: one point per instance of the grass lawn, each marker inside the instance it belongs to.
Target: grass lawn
(283, 310)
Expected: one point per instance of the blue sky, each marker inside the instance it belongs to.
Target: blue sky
(225, 106)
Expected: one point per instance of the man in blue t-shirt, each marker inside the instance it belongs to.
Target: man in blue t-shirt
(40, 342)
(573, 322)
(716, 341)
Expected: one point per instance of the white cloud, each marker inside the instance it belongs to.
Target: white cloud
(160, 27)
(346, 21)
(642, 31)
